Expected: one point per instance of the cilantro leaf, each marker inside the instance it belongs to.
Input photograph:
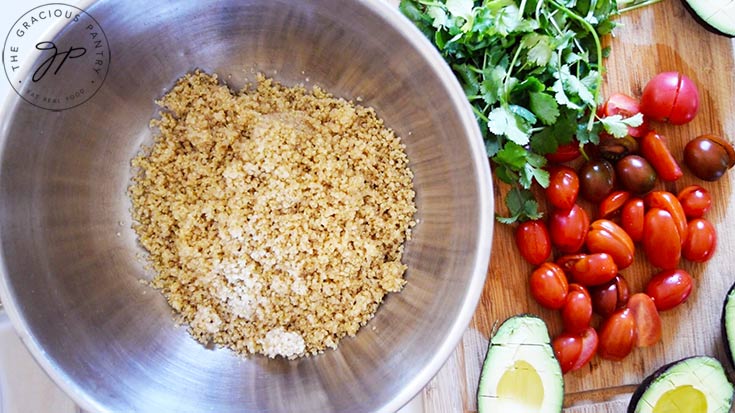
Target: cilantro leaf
(544, 106)
(539, 48)
(502, 121)
(617, 126)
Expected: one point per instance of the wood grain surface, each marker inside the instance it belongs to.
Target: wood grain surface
(657, 38)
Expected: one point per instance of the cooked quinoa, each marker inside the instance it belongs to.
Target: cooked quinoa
(274, 218)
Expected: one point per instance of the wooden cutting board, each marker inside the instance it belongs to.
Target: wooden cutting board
(657, 38)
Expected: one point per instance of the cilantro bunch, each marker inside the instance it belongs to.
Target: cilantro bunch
(531, 70)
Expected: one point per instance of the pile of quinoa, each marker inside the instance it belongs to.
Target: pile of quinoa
(274, 218)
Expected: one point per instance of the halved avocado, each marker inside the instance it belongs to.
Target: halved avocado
(695, 384)
(717, 16)
(520, 372)
(728, 324)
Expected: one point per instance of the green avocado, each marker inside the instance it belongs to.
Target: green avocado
(520, 372)
(728, 324)
(693, 385)
(716, 15)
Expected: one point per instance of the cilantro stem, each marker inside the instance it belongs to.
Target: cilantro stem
(479, 114)
(638, 6)
(587, 26)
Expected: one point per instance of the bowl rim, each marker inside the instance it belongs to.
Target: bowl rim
(391, 15)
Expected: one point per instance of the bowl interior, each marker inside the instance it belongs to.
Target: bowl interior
(71, 266)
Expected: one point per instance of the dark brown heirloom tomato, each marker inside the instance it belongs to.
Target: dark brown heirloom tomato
(695, 201)
(617, 335)
(614, 149)
(596, 179)
(709, 157)
(635, 174)
(610, 297)
(533, 241)
(568, 229)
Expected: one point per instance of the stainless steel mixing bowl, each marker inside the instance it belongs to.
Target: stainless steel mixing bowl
(70, 263)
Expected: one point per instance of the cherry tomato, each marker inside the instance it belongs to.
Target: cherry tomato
(607, 236)
(589, 348)
(647, 320)
(620, 104)
(632, 218)
(617, 335)
(695, 201)
(533, 241)
(568, 229)
(668, 202)
(563, 187)
(635, 174)
(612, 204)
(576, 313)
(567, 348)
(596, 179)
(670, 97)
(661, 241)
(709, 157)
(656, 151)
(613, 149)
(701, 241)
(669, 288)
(610, 297)
(565, 153)
(549, 285)
(589, 269)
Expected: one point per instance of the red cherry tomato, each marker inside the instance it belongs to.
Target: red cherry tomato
(626, 106)
(563, 187)
(632, 218)
(549, 285)
(565, 153)
(589, 269)
(569, 228)
(610, 297)
(612, 204)
(576, 313)
(661, 241)
(567, 348)
(668, 202)
(670, 97)
(589, 348)
(617, 335)
(656, 151)
(647, 320)
(695, 201)
(669, 288)
(533, 241)
(608, 237)
(701, 241)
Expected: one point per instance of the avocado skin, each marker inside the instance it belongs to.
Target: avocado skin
(723, 324)
(646, 383)
(704, 23)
